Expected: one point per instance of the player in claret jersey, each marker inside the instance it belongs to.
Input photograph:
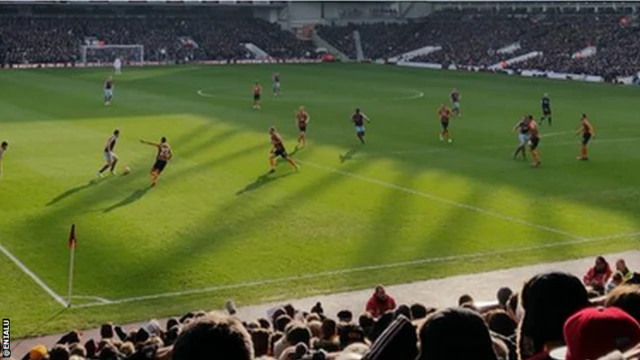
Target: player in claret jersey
(588, 133)
(455, 101)
(257, 91)
(358, 119)
(302, 120)
(109, 154)
(522, 127)
(278, 149)
(108, 91)
(276, 84)
(444, 113)
(546, 109)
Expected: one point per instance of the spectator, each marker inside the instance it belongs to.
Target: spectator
(598, 275)
(455, 333)
(499, 321)
(213, 336)
(616, 280)
(380, 302)
(418, 311)
(328, 341)
(594, 332)
(548, 300)
(465, 299)
(260, 339)
(503, 295)
(38, 352)
(627, 298)
(621, 266)
(59, 352)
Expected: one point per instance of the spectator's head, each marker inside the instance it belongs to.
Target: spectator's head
(499, 321)
(366, 322)
(38, 352)
(291, 311)
(264, 323)
(403, 310)
(281, 322)
(59, 352)
(617, 278)
(381, 324)
(316, 328)
(345, 316)
(594, 332)
(455, 333)
(465, 299)
(106, 330)
(504, 293)
(171, 323)
(297, 333)
(601, 264)
(78, 349)
(214, 336)
(329, 329)
(418, 311)
(260, 339)
(621, 266)
(627, 298)
(512, 306)
(380, 293)
(127, 349)
(276, 314)
(273, 339)
(548, 300)
(317, 308)
(350, 334)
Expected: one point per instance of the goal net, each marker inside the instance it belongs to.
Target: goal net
(106, 54)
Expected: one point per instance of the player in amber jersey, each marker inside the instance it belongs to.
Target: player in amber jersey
(534, 142)
(163, 156)
(257, 92)
(444, 113)
(278, 149)
(302, 120)
(588, 133)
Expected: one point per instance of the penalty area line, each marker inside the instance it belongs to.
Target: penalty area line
(33, 276)
(472, 256)
(443, 200)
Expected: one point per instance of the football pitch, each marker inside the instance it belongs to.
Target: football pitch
(403, 207)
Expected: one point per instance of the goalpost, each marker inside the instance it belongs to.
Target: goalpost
(106, 54)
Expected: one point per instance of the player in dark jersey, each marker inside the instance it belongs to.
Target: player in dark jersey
(546, 109)
(108, 91)
(444, 113)
(522, 127)
(109, 154)
(534, 142)
(3, 148)
(358, 119)
(455, 101)
(163, 156)
(257, 91)
(276, 84)
(302, 120)
(278, 149)
(588, 133)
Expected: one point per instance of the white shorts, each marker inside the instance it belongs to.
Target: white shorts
(359, 129)
(276, 86)
(456, 105)
(110, 156)
(108, 93)
(523, 138)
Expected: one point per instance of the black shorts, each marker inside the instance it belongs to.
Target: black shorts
(445, 124)
(534, 143)
(159, 165)
(282, 152)
(303, 128)
(546, 111)
(256, 97)
(585, 138)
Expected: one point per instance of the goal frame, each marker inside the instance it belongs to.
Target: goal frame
(84, 48)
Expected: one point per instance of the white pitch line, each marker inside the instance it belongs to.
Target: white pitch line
(33, 276)
(477, 255)
(442, 200)
(97, 298)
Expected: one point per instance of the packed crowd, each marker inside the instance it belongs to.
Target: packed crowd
(474, 39)
(554, 315)
(39, 39)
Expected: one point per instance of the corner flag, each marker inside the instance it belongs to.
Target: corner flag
(72, 246)
(72, 237)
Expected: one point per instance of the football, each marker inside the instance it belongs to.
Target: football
(126, 171)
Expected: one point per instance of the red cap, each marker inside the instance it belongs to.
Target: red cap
(595, 332)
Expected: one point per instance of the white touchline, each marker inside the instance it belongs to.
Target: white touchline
(477, 255)
(442, 200)
(33, 276)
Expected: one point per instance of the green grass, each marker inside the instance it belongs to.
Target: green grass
(212, 221)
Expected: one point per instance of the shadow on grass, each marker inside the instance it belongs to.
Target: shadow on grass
(74, 190)
(135, 196)
(263, 180)
(349, 154)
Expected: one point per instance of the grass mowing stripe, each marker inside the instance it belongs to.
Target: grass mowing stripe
(443, 200)
(33, 276)
(477, 255)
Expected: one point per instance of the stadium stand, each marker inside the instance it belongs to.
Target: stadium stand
(551, 309)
